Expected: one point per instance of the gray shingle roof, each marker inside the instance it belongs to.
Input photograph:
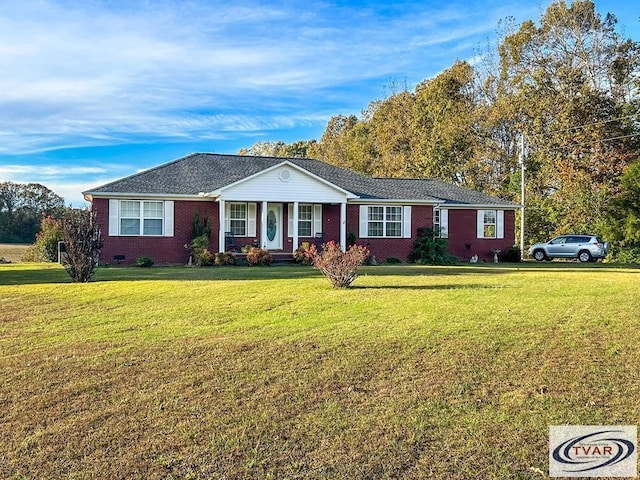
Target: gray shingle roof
(206, 172)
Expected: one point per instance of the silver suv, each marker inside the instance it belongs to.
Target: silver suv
(586, 248)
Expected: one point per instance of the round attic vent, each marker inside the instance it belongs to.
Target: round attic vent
(284, 175)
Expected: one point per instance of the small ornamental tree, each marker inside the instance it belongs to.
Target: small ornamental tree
(45, 248)
(83, 242)
(340, 268)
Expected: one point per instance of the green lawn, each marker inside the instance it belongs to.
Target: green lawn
(225, 373)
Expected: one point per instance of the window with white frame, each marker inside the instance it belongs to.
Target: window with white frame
(238, 219)
(384, 221)
(305, 220)
(441, 222)
(309, 219)
(489, 224)
(139, 217)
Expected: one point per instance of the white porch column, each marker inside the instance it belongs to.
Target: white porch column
(223, 227)
(294, 234)
(263, 226)
(343, 226)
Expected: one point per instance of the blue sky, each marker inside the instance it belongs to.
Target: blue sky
(95, 90)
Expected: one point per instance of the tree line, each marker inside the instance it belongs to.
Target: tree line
(22, 206)
(565, 88)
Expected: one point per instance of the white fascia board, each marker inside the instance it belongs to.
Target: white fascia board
(89, 196)
(287, 163)
(478, 206)
(399, 201)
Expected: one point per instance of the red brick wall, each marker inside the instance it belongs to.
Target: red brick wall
(160, 249)
(331, 222)
(170, 250)
(381, 248)
(463, 231)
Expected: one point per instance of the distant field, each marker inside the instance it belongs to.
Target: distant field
(12, 251)
(267, 373)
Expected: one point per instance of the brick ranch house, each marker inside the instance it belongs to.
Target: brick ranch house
(279, 203)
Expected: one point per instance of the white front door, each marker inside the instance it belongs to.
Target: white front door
(274, 226)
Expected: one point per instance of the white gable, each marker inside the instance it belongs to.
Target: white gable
(285, 183)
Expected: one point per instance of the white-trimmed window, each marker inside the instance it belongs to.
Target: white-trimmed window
(238, 219)
(305, 220)
(139, 217)
(393, 221)
(152, 218)
(441, 222)
(490, 224)
(309, 219)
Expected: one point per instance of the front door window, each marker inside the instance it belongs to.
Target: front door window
(272, 225)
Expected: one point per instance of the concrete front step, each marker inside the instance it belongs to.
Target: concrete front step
(281, 258)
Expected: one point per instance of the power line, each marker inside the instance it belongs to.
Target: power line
(594, 141)
(601, 122)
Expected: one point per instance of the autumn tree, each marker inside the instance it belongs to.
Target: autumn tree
(297, 149)
(569, 81)
(623, 226)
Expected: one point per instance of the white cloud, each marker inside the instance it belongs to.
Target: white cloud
(10, 171)
(94, 73)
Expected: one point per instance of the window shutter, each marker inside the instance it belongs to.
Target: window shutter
(406, 221)
(227, 221)
(363, 221)
(168, 218)
(290, 220)
(480, 224)
(444, 222)
(317, 218)
(114, 217)
(251, 220)
(500, 224)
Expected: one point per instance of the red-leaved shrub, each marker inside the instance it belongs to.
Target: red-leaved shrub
(340, 268)
(260, 257)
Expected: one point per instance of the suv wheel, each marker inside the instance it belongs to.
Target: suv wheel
(539, 255)
(584, 256)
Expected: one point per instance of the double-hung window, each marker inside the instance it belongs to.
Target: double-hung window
(305, 220)
(441, 222)
(490, 224)
(238, 219)
(309, 220)
(139, 217)
(384, 221)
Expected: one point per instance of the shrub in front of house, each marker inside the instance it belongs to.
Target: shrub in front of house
(303, 256)
(224, 258)
(200, 251)
(392, 260)
(259, 257)
(429, 249)
(340, 268)
(512, 255)
(144, 262)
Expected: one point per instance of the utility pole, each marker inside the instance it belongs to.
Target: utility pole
(522, 192)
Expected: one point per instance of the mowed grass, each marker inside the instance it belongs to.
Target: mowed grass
(225, 373)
